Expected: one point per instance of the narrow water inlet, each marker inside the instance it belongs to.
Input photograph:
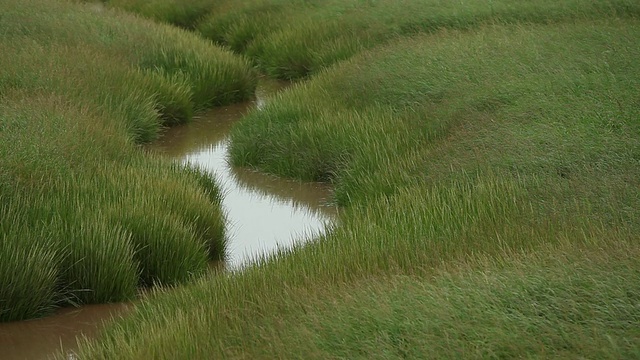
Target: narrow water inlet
(264, 212)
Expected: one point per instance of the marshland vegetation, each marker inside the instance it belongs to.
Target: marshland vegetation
(293, 39)
(85, 215)
(488, 161)
(487, 156)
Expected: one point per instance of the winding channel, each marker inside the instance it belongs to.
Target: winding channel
(264, 212)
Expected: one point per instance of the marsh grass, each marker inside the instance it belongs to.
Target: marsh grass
(214, 75)
(98, 261)
(211, 229)
(491, 184)
(576, 296)
(175, 12)
(292, 40)
(29, 269)
(160, 241)
(107, 238)
(86, 215)
(481, 92)
(551, 304)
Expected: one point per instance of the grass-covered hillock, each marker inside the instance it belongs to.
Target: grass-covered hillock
(197, 74)
(492, 184)
(85, 215)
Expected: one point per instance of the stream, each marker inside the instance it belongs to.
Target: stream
(264, 213)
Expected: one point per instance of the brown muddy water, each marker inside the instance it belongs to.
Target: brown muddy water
(41, 338)
(264, 212)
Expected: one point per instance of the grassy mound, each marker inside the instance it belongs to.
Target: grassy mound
(185, 72)
(87, 215)
(492, 184)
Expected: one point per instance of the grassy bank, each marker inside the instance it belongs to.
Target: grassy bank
(85, 215)
(491, 180)
(561, 302)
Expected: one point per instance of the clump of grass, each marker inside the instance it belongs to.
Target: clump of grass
(135, 104)
(98, 264)
(107, 238)
(29, 267)
(212, 229)
(164, 246)
(240, 25)
(301, 49)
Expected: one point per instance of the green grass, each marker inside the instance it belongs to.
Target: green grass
(566, 301)
(189, 72)
(175, 12)
(542, 305)
(562, 105)
(87, 216)
(490, 178)
(336, 30)
(294, 39)
(30, 262)
(105, 217)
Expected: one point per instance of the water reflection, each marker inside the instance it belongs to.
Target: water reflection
(265, 212)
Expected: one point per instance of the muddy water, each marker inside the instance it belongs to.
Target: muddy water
(265, 212)
(40, 338)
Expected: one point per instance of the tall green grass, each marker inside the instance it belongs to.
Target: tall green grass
(31, 262)
(294, 39)
(374, 123)
(199, 75)
(561, 301)
(549, 305)
(175, 12)
(94, 211)
(86, 215)
(240, 25)
(491, 183)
